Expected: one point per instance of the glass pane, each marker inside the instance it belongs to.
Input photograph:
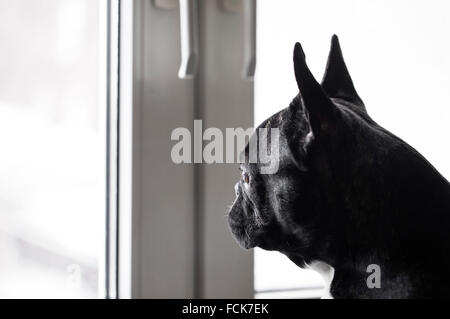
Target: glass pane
(52, 164)
(398, 55)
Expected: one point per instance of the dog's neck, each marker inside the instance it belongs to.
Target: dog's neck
(395, 216)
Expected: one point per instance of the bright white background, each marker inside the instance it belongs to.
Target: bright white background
(398, 53)
(52, 149)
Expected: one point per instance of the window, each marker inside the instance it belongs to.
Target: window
(397, 53)
(53, 156)
(89, 96)
(91, 204)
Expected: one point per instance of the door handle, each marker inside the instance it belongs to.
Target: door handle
(189, 39)
(249, 68)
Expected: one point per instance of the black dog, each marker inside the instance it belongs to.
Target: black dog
(348, 194)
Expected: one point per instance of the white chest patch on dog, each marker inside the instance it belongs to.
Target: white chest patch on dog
(327, 273)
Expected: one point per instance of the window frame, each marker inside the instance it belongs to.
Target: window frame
(198, 266)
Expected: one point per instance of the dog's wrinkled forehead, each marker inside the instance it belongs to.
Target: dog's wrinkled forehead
(264, 134)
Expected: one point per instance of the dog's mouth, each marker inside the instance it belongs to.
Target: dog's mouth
(248, 227)
(241, 222)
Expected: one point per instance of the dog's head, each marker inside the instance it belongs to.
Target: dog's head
(324, 138)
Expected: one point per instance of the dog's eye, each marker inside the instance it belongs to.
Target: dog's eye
(245, 178)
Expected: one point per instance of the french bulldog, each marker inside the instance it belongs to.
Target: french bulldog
(348, 194)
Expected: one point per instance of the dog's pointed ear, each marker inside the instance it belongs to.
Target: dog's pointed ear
(336, 81)
(321, 110)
